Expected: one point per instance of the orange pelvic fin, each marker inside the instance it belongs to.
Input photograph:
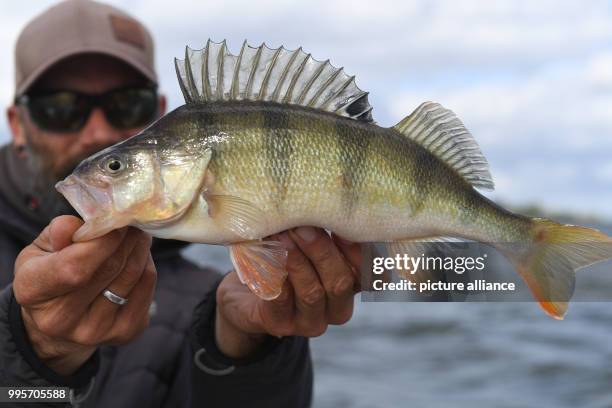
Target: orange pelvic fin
(261, 266)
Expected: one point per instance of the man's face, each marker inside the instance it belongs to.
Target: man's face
(54, 155)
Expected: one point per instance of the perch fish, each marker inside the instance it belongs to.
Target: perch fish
(272, 139)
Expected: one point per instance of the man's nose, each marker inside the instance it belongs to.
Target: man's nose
(97, 131)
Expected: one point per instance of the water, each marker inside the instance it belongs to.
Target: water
(421, 354)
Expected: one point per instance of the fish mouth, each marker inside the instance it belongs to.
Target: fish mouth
(87, 200)
(94, 205)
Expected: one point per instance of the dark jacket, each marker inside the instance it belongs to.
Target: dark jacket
(175, 363)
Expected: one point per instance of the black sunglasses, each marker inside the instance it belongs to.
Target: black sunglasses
(68, 111)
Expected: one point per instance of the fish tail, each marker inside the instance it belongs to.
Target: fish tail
(551, 256)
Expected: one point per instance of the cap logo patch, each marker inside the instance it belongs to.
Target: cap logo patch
(128, 31)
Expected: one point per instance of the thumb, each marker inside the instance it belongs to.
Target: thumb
(60, 231)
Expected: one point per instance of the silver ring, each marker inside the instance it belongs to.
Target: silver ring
(113, 297)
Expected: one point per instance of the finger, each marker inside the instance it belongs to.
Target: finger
(78, 300)
(277, 316)
(310, 300)
(54, 237)
(244, 310)
(102, 310)
(134, 250)
(133, 318)
(40, 276)
(57, 235)
(91, 332)
(332, 268)
(88, 256)
(353, 252)
(61, 230)
(76, 264)
(367, 277)
(239, 305)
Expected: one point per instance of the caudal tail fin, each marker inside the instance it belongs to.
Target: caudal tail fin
(549, 262)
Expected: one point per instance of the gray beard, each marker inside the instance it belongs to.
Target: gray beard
(42, 186)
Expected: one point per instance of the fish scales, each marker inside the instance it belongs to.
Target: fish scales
(303, 158)
(278, 144)
(290, 161)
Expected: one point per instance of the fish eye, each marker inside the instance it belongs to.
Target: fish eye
(114, 165)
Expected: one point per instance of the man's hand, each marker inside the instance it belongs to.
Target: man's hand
(59, 283)
(319, 291)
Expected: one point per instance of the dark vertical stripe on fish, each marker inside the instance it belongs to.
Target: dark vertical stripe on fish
(278, 149)
(211, 123)
(422, 174)
(352, 151)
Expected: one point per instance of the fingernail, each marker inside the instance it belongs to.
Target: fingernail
(308, 234)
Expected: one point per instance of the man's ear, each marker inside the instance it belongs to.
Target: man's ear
(17, 130)
(162, 105)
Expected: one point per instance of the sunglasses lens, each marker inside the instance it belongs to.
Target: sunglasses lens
(65, 111)
(58, 112)
(131, 108)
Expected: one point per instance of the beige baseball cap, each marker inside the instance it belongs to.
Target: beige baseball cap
(80, 26)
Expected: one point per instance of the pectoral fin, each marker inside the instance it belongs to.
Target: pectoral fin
(238, 215)
(261, 266)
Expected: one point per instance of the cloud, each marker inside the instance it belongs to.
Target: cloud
(531, 79)
(600, 72)
(556, 104)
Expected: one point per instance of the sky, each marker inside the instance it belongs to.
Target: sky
(532, 80)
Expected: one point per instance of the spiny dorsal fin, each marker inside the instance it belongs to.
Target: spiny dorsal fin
(265, 74)
(440, 131)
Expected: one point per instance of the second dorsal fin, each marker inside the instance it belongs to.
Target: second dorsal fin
(265, 74)
(440, 131)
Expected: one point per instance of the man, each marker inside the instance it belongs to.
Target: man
(121, 322)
